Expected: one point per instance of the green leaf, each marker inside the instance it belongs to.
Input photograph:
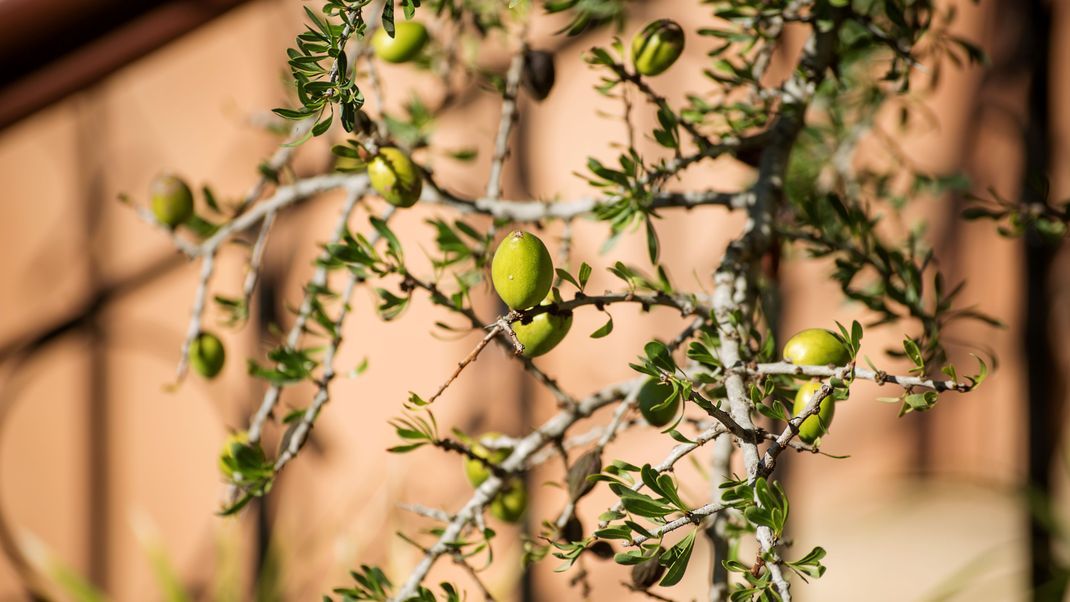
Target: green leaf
(604, 330)
(392, 305)
(653, 247)
(658, 354)
(565, 276)
(291, 114)
(464, 154)
(913, 352)
(393, 244)
(641, 504)
(621, 533)
(584, 275)
(982, 372)
(676, 559)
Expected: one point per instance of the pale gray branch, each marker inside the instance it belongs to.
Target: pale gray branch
(878, 376)
(505, 127)
(319, 279)
(301, 431)
(693, 517)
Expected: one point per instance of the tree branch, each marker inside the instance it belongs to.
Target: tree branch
(550, 430)
(878, 376)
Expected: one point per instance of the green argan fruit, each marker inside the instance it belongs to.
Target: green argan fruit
(394, 176)
(509, 505)
(817, 424)
(652, 405)
(206, 354)
(522, 270)
(657, 46)
(476, 471)
(171, 200)
(409, 39)
(538, 75)
(816, 347)
(544, 331)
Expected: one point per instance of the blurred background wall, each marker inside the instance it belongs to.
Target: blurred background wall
(107, 477)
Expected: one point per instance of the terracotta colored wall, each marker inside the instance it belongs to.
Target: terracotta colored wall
(189, 107)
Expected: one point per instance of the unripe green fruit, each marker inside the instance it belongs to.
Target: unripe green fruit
(815, 425)
(816, 347)
(394, 176)
(171, 200)
(522, 270)
(207, 355)
(653, 394)
(657, 46)
(409, 39)
(544, 331)
(476, 471)
(231, 446)
(509, 505)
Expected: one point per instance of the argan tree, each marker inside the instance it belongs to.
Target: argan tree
(723, 383)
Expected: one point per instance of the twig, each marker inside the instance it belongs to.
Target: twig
(880, 377)
(686, 304)
(564, 249)
(283, 197)
(319, 279)
(505, 126)
(675, 455)
(700, 139)
(768, 462)
(187, 247)
(438, 298)
(301, 431)
(717, 531)
(534, 211)
(256, 257)
(459, 559)
(433, 513)
(694, 517)
(492, 332)
(194, 328)
(377, 94)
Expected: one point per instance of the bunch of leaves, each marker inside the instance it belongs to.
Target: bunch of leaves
(1046, 218)
(585, 15)
(320, 67)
